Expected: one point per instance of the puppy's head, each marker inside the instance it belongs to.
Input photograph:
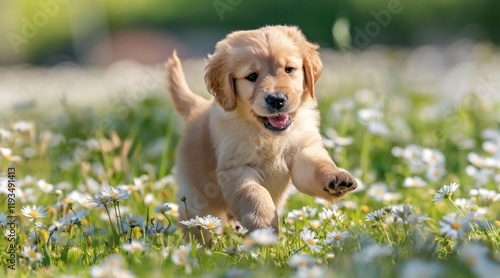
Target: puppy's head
(266, 74)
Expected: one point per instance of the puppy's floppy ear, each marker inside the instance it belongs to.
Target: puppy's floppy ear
(219, 79)
(312, 66)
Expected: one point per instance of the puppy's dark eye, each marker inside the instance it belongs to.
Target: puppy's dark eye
(289, 70)
(252, 77)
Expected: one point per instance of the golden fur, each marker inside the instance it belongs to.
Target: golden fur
(241, 150)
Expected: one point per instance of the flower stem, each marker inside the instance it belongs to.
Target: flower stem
(386, 234)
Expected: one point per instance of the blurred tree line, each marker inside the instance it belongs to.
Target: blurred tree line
(33, 30)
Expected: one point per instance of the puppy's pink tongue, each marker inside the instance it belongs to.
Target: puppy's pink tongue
(279, 121)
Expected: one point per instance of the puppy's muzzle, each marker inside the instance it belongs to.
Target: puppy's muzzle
(277, 106)
(276, 102)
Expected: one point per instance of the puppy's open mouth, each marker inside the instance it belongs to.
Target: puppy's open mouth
(279, 122)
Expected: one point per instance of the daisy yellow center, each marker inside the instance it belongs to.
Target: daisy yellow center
(300, 214)
(113, 195)
(338, 237)
(173, 211)
(32, 254)
(136, 248)
(302, 263)
(456, 226)
(210, 225)
(103, 200)
(180, 252)
(132, 222)
(182, 262)
(34, 214)
(161, 210)
(9, 158)
(311, 242)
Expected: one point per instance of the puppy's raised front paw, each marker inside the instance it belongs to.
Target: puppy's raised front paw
(340, 183)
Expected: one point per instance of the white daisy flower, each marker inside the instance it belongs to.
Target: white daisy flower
(100, 200)
(149, 198)
(405, 214)
(445, 192)
(435, 172)
(76, 216)
(392, 196)
(115, 194)
(368, 115)
(416, 268)
(309, 238)
(464, 204)
(377, 191)
(372, 252)
(376, 216)
(134, 221)
(58, 225)
(45, 186)
(348, 204)
(433, 156)
(7, 153)
(314, 224)
(238, 228)
(412, 153)
(300, 260)
(264, 237)
(476, 160)
(210, 222)
(475, 255)
(378, 128)
(475, 216)
(174, 209)
(485, 194)
(112, 267)
(23, 126)
(135, 246)
(337, 237)
(301, 214)
(181, 256)
(34, 212)
(453, 226)
(323, 202)
(332, 215)
(163, 209)
(193, 222)
(414, 182)
(310, 272)
(31, 253)
(491, 147)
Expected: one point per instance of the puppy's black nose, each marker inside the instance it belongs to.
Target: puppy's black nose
(276, 101)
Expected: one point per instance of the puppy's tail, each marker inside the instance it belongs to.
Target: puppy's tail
(185, 101)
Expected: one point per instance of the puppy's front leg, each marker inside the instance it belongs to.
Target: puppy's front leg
(314, 173)
(247, 199)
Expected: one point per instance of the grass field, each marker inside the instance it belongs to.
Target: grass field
(419, 129)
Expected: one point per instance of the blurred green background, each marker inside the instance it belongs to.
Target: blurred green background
(47, 32)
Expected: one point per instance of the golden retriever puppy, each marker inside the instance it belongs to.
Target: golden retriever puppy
(241, 150)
